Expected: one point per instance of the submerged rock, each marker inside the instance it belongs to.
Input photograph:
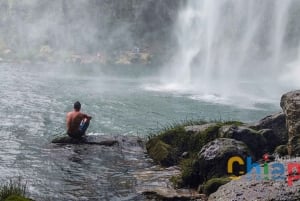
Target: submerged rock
(290, 103)
(84, 140)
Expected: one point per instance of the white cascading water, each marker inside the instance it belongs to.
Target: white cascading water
(231, 49)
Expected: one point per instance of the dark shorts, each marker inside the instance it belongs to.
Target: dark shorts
(81, 131)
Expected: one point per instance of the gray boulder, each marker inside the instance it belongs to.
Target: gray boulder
(275, 122)
(213, 157)
(290, 104)
(253, 139)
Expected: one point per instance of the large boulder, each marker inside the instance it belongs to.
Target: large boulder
(253, 139)
(213, 157)
(290, 103)
(248, 187)
(276, 122)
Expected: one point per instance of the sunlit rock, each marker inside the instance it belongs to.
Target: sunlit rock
(290, 103)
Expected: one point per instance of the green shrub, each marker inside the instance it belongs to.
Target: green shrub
(189, 173)
(161, 152)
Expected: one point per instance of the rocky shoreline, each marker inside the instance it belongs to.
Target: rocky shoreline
(202, 151)
(190, 161)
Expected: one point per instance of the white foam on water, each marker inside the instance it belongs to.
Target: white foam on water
(239, 50)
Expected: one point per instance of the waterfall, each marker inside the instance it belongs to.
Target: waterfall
(231, 48)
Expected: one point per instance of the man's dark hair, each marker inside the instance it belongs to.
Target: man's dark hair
(77, 105)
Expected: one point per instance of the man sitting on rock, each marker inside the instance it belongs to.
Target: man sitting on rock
(77, 122)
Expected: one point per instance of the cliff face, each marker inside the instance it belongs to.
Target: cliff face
(87, 26)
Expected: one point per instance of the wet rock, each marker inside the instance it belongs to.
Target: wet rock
(84, 140)
(155, 183)
(253, 139)
(275, 122)
(213, 157)
(290, 103)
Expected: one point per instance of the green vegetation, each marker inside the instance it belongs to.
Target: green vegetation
(161, 152)
(16, 198)
(213, 184)
(13, 191)
(167, 146)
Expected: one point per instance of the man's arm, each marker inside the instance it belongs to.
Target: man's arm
(68, 120)
(87, 116)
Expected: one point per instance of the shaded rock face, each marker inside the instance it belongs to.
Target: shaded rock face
(272, 140)
(281, 150)
(213, 157)
(253, 139)
(275, 122)
(290, 103)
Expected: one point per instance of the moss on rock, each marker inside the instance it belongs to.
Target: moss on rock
(167, 147)
(213, 184)
(161, 152)
(17, 198)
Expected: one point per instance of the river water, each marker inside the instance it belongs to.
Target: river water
(123, 101)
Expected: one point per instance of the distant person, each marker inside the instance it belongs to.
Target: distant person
(77, 122)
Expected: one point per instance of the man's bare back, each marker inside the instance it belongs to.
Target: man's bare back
(77, 122)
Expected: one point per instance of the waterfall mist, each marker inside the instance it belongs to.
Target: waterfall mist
(84, 27)
(236, 50)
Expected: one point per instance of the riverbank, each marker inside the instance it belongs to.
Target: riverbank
(203, 150)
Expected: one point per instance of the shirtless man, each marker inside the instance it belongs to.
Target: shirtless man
(77, 122)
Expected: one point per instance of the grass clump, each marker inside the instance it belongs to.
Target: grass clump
(12, 189)
(161, 152)
(189, 173)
